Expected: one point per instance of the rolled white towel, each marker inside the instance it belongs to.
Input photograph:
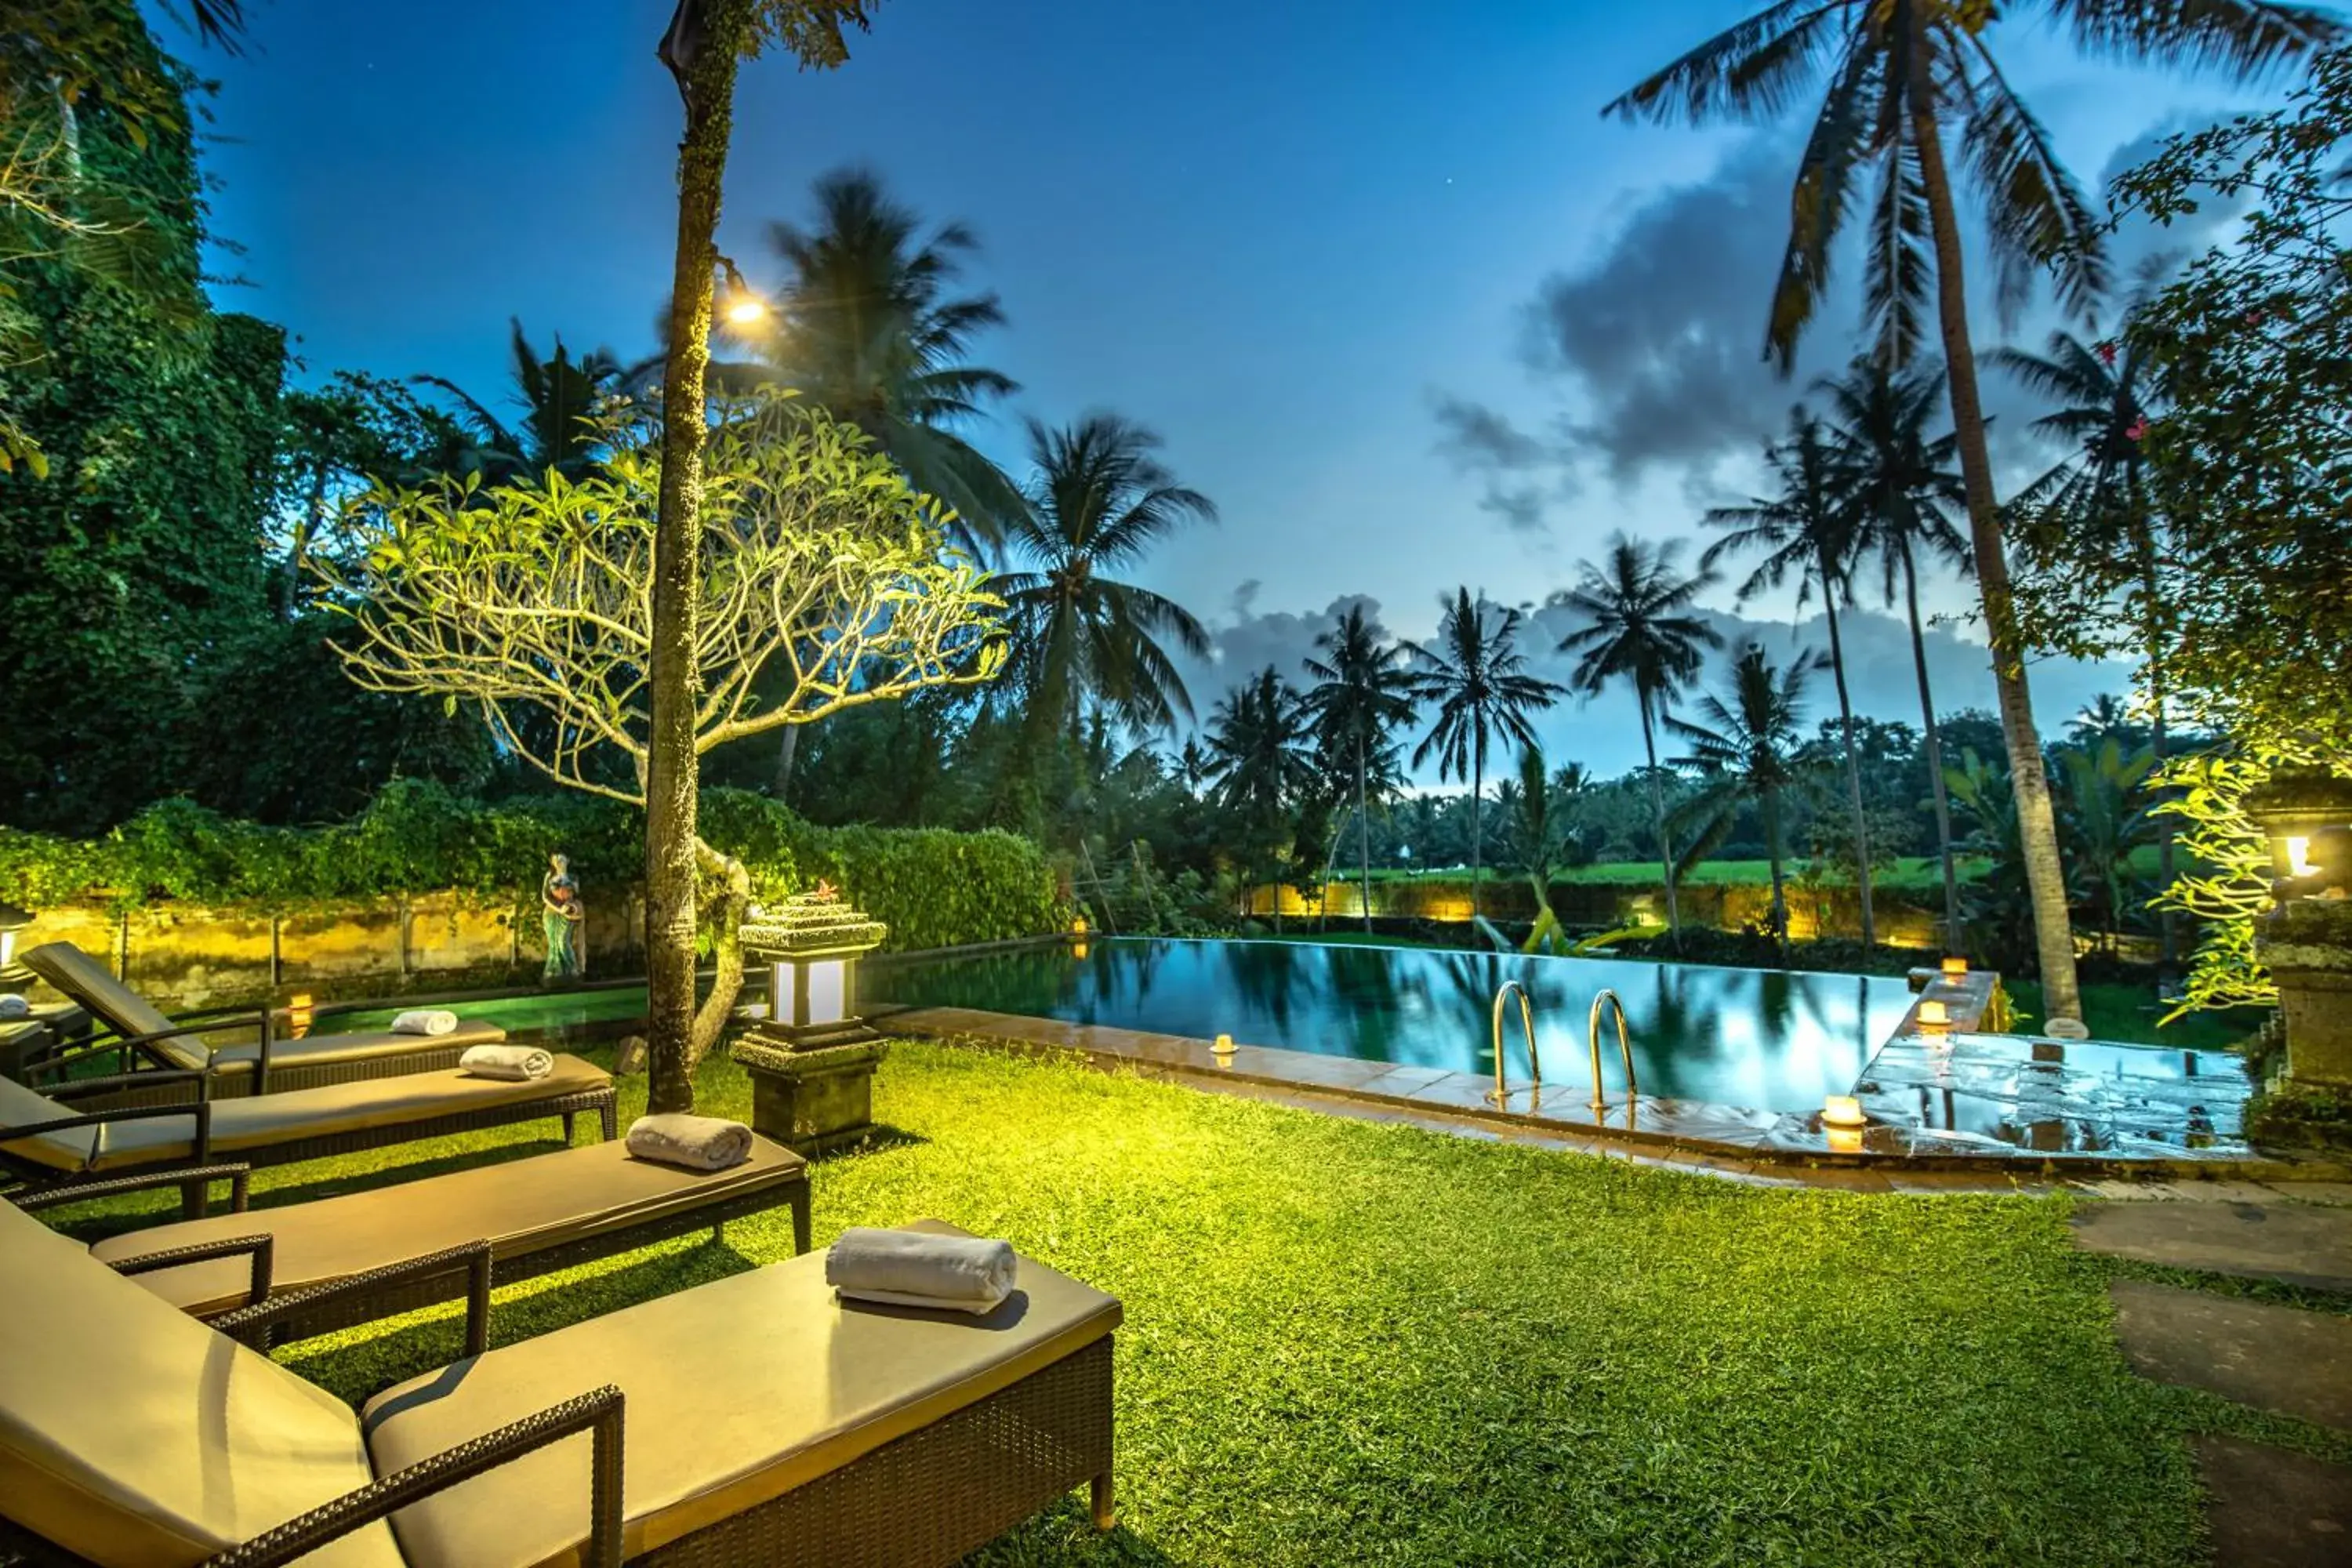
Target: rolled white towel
(515, 1063)
(13, 1006)
(909, 1268)
(696, 1142)
(424, 1021)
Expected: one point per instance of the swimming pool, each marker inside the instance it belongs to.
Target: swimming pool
(1762, 1039)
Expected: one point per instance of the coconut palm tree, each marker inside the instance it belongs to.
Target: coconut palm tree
(1747, 750)
(1900, 484)
(1902, 75)
(2092, 513)
(868, 329)
(1479, 681)
(1097, 504)
(1641, 628)
(1261, 761)
(556, 393)
(1809, 529)
(1364, 688)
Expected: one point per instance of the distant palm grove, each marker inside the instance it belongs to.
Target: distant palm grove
(188, 624)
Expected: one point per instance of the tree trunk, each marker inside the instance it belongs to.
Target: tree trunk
(1852, 762)
(1934, 745)
(706, 76)
(1478, 831)
(787, 748)
(2037, 825)
(1658, 811)
(1363, 844)
(1771, 804)
(734, 897)
(2168, 942)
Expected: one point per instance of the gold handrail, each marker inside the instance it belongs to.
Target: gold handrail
(1624, 1050)
(1501, 1094)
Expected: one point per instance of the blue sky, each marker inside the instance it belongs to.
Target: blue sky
(1279, 235)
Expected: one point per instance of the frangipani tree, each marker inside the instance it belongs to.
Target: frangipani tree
(532, 601)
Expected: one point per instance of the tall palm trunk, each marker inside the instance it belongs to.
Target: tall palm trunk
(1935, 744)
(2037, 825)
(1363, 842)
(1658, 811)
(1478, 831)
(2168, 949)
(1852, 762)
(707, 78)
(1771, 806)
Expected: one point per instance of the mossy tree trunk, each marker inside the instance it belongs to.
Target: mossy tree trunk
(702, 50)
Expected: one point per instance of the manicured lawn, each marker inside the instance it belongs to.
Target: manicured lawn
(2131, 1013)
(1351, 1343)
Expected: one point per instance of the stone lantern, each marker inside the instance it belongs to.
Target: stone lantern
(12, 920)
(811, 1058)
(2307, 940)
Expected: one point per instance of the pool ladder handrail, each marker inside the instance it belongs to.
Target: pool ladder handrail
(1500, 1096)
(1624, 1051)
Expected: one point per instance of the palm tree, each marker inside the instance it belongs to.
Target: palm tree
(557, 394)
(1098, 501)
(2107, 817)
(1899, 482)
(1901, 73)
(1478, 678)
(2098, 504)
(1364, 688)
(1640, 627)
(1809, 529)
(1747, 750)
(1263, 762)
(868, 330)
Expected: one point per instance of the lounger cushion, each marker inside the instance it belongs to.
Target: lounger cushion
(262, 1120)
(91, 983)
(130, 1433)
(519, 1207)
(330, 1051)
(22, 1107)
(738, 1392)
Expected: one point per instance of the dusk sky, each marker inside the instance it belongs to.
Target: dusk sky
(1312, 244)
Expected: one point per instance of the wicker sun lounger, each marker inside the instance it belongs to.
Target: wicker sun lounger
(47, 1143)
(538, 1214)
(265, 1064)
(754, 1420)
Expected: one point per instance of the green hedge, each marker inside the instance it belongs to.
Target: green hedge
(934, 888)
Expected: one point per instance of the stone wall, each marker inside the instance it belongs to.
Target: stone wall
(186, 956)
(1596, 906)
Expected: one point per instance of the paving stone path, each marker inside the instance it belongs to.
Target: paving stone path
(2269, 1508)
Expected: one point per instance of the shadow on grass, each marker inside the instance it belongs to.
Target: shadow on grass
(1063, 1533)
(883, 1140)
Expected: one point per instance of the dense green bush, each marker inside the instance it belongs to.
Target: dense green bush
(934, 888)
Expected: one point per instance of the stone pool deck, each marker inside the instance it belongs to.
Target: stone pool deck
(1898, 1148)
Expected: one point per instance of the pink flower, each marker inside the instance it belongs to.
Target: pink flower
(2107, 353)
(2137, 429)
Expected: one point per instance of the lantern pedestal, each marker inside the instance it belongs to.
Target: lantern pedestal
(811, 1100)
(2306, 944)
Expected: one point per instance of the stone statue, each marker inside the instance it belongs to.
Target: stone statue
(561, 916)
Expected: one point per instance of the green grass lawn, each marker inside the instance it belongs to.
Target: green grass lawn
(2131, 1013)
(1358, 1343)
(1912, 873)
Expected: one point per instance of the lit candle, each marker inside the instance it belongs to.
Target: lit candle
(1842, 1111)
(1954, 967)
(1934, 1014)
(1224, 1045)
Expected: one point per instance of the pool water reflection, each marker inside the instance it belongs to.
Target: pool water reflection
(1763, 1038)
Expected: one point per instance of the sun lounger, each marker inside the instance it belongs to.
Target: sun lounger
(48, 1142)
(266, 1064)
(538, 1215)
(755, 1420)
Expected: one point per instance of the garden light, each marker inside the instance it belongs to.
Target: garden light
(1956, 968)
(811, 945)
(299, 1014)
(1842, 1111)
(741, 305)
(1934, 1014)
(12, 921)
(2307, 815)
(1224, 1045)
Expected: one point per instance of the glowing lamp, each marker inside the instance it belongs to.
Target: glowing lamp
(810, 945)
(2306, 813)
(12, 921)
(300, 1014)
(1934, 1014)
(1844, 1110)
(1956, 968)
(1224, 1046)
(738, 302)
(1078, 926)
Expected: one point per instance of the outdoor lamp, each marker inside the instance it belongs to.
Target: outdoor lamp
(810, 945)
(2307, 815)
(299, 1014)
(1841, 1122)
(12, 921)
(742, 306)
(1956, 968)
(1934, 1016)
